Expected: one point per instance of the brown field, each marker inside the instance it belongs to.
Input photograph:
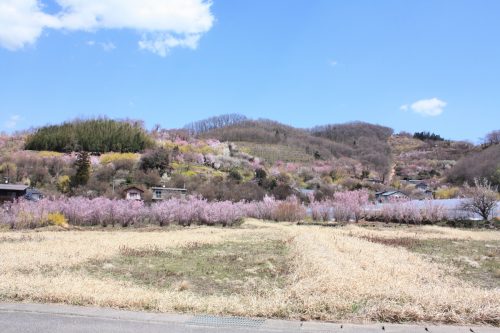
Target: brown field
(352, 273)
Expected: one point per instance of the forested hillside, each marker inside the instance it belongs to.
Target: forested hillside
(95, 135)
(231, 157)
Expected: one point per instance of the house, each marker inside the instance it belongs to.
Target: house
(162, 193)
(10, 192)
(386, 196)
(419, 184)
(133, 193)
(32, 194)
(304, 192)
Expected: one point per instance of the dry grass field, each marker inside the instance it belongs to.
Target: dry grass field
(351, 273)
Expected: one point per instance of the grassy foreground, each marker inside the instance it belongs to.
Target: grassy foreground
(351, 273)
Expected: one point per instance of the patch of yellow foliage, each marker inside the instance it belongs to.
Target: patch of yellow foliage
(111, 157)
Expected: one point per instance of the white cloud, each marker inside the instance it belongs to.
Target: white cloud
(108, 46)
(161, 44)
(333, 63)
(22, 22)
(426, 107)
(164, 24)
(12, 122)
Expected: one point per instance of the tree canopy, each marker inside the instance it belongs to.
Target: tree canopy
(95, 135)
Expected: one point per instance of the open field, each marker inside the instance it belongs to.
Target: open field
(263, 269)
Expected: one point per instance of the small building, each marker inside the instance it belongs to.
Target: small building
(386, 196)
(133, 193)
(419, 184)
(163, 193)
(32, 194)
(11, 192)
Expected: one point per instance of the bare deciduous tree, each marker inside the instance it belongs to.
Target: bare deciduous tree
(482, 198)
(492, 138)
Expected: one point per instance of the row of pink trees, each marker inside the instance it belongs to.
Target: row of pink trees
(355, 205)
(404, 211)
(102, 211)
(344, 207)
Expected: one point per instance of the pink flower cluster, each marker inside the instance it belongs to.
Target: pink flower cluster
(345, 206)
(404, 211)
(291, 210)
(102, 211)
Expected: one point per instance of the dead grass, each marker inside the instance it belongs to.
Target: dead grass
(234, 267)
(299, 272)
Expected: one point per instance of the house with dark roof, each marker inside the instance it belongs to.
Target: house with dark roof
(385, 196)
(11, 192)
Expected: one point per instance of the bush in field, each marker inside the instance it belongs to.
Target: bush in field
(405, 211)
(350, 205)
(320, 210)
(261, 209)
(290, 210)
(57, 219)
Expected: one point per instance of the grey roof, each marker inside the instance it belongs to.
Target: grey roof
(133, 188)
(388, 193)
(13, 187)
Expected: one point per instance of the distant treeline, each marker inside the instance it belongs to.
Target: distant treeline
(427, 136)
(95, 135)
(212, 123)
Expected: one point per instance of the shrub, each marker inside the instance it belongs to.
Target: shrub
(113, 157)
(157, 159)
(57, 219)
(447, 193)
(290, 210)
(321, 210)
(350, 205)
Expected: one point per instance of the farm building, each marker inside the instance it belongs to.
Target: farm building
(163, 193)
(10, 192)
(386, 196)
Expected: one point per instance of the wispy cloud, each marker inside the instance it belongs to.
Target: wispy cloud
(333, 63)
(426, 107)
(12, 121)
(106, 46)
(164, 24)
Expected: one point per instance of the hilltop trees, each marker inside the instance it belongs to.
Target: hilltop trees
(492, 138)
(95, 135)
(367, 142)
(203, 126)
(427, 136)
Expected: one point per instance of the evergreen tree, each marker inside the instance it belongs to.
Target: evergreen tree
(82, 165)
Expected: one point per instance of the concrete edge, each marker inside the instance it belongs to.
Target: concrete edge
(269, 324)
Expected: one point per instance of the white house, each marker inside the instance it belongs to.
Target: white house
(133, 193)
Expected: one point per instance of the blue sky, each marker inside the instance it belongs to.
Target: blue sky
(411, 65)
